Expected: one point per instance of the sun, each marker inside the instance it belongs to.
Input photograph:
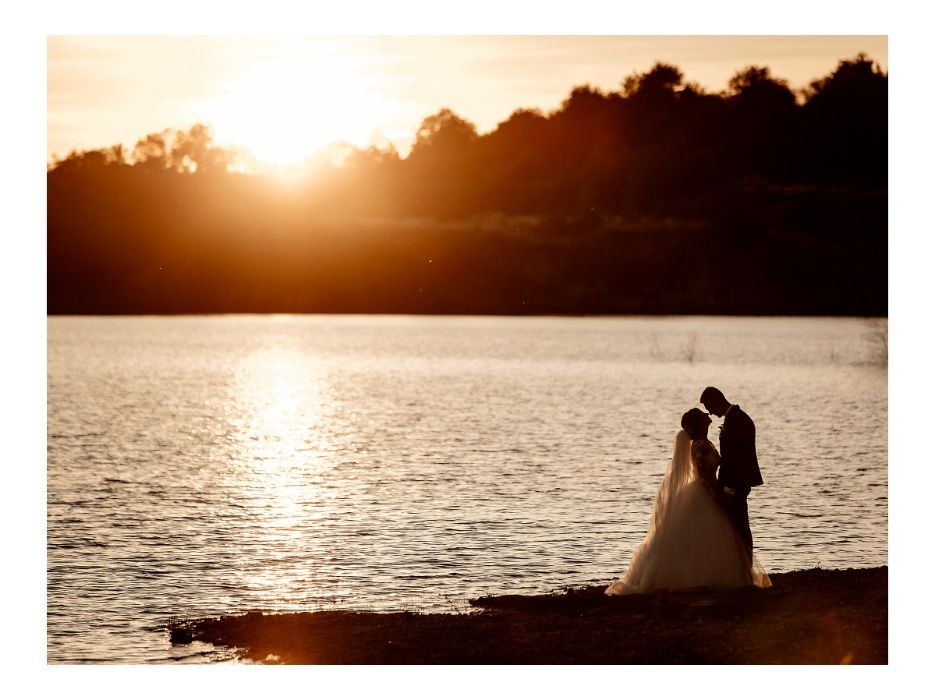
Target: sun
(288, 105)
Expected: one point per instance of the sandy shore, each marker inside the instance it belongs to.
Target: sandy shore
(807, 617)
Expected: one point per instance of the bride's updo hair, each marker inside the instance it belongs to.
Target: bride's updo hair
(692, 422)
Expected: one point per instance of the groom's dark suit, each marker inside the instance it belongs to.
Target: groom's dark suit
(739, 470)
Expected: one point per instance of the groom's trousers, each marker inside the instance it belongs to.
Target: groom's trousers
(737, 510)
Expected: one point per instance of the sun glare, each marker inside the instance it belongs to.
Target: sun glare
(291, 103)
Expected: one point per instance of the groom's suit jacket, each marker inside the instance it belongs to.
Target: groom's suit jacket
(739, 467)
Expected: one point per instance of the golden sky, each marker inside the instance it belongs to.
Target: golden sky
(285, 98)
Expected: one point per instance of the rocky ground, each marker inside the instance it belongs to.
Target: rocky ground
(807, 617)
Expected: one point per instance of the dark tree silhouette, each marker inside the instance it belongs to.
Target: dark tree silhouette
(753, 200)
(152, 151)
(846, 117)
(764, 122)
(515, 164)
(660, 82)
(441, 155)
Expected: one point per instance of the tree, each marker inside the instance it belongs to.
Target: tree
(371, 157)
(856, 80)
(764, 121)
(847, 122)
(661, 79)
(444, 130)
(755, 85)
(441, 169)
(96, 158)
(517, 159)
(651, 99)
(152, 151)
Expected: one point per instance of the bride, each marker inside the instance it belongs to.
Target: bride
(691, 541)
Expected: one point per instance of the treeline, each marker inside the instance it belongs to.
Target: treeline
(657, 198)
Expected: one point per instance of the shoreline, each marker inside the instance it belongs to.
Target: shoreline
(813, 616)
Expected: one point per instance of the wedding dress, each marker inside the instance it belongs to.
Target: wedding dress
(691, 541)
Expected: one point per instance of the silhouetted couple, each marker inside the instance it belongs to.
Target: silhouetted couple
(699, 534)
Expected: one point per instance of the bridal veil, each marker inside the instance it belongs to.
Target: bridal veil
(690, 541)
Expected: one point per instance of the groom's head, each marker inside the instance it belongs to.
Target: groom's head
(714, 402)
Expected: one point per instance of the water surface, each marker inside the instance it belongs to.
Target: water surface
(206, 465)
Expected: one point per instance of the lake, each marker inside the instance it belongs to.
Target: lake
(216, 464)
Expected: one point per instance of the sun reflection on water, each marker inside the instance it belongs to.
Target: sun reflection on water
(302, 463)
(280, 450)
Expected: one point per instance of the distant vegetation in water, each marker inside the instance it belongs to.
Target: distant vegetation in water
(657, 198)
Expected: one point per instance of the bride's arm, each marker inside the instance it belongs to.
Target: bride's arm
(706, 460)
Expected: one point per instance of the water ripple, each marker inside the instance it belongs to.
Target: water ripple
(201, 466)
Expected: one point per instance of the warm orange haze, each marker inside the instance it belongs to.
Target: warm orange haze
(467, 350)
(580, 207)
(284, 99)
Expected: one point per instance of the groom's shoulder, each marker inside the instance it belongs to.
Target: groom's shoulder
(739, 415)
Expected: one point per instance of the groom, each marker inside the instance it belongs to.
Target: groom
(739, 470)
